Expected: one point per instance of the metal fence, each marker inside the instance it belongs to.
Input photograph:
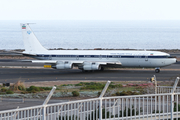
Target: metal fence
(152, 106)
(166, 89)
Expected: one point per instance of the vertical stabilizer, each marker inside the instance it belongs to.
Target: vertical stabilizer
(31, 43)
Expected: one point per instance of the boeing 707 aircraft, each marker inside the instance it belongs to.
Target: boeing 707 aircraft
(88, 60)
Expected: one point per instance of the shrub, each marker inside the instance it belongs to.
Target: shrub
(96, 113)
(176, 107)
(75, 93)
(24, 92)
(117, 94)
(92, 86)
(3, 89)
(99, 93)
(124, 93)
(45, 88)
(67, 85)
(9, 92)
(33, 89)
(129, 112)
(21, 87)
(114, 86)
(80, 84)
(41, 89)
(95, 85)
(18, 86)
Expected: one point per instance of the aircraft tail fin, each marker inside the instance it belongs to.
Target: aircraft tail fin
(31, 43)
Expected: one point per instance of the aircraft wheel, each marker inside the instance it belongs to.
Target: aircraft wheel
(102, 68)
(157, 70)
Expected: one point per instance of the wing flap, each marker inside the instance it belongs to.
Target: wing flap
(106, 63)
(45, 61)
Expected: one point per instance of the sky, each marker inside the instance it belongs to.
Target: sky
(89, 9)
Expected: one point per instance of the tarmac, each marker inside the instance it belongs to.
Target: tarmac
(29, 72)
(14, 103)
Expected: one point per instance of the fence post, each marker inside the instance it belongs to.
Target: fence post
(100, 100)
(44, 112)
(100, 109)
(49, 96)
(172, 106)
(46, 101)
(155, 84)
(172, 97)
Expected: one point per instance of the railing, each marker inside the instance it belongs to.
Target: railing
(166, 89)
(152, 106)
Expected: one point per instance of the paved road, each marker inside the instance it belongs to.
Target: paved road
(30, 75)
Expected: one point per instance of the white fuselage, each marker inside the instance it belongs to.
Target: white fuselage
(126, 58)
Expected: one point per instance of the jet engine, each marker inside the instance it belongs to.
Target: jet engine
(64, 65)
(91, 66)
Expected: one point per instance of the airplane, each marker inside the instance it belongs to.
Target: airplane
(90, 60)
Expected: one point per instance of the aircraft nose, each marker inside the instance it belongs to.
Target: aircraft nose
(174, 60)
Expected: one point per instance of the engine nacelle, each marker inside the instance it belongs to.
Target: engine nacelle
(91, 66)
(65, 65)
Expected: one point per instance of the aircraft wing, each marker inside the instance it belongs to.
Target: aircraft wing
(61, 64)
(75, 62)
(45, 61)
(55, 61)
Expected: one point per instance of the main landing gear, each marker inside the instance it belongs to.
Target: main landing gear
(157, 70)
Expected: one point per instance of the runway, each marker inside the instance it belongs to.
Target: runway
(31, 75)
(36, 72)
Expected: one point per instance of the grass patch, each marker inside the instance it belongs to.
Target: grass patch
(34, 89)
(45, 88)
(75, 93)
(96, 86)
(4, 89)
(67, 85)
(92, 86)
(129, 88)
(9, 92)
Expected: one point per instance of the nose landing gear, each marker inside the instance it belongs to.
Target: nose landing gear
(157, 70)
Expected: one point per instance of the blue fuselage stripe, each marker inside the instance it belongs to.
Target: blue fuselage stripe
(101, 56)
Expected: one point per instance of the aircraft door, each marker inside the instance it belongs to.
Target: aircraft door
(50, 57)
(107, 56)
(146, 58)
(100, 56)
(77, 57)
